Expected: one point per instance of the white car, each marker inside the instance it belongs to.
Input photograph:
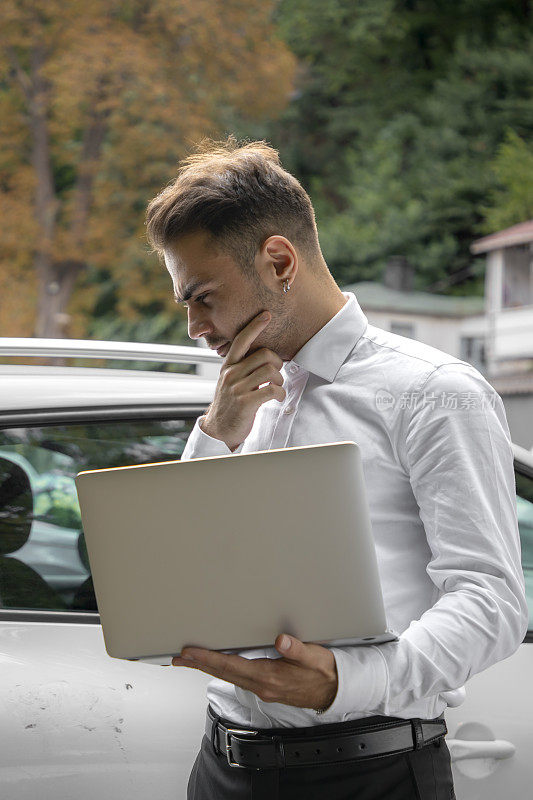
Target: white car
(76, 723)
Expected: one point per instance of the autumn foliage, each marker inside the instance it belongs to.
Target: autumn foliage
(98, 101)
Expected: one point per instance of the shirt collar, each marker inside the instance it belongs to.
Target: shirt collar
(328, 349)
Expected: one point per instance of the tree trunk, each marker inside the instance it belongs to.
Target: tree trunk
(57, 278)
(46, 203)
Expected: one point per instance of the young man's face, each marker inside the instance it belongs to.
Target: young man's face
(221, 300)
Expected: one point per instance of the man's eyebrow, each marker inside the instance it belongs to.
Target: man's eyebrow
(189, 291)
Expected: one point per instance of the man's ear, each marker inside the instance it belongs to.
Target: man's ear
(280, 252)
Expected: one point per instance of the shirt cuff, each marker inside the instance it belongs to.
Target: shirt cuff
(362, 681)
(201, 445)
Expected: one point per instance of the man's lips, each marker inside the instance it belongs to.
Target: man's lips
(221, 348)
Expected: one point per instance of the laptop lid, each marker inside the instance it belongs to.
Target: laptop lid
(227, 552)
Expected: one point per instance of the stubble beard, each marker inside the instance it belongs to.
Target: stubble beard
(280, 330)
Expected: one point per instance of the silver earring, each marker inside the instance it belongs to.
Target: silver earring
(286, 285)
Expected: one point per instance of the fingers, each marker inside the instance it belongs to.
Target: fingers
(294, 650)
(305, 676)
(266, 373)
(312, 656)
(244, 338)
(243, 672)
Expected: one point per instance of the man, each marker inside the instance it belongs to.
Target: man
(238, 236)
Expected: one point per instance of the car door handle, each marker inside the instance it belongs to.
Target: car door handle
(461, 749)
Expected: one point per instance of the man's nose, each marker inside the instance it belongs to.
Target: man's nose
(198, 325)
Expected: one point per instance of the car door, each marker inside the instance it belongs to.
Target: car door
(491, 734)
(74, 722)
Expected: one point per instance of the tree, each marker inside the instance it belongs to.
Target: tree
(398, 111)
(511, 200)
(99, 100)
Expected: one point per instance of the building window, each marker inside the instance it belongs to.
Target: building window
(472, 349)
(517, 277)
(403, 329)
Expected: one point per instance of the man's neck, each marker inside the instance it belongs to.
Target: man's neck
(316, 318)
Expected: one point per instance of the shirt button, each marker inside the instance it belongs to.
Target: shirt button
(288, 410)
(293, 368)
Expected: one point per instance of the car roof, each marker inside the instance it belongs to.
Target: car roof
(66, 387)
(55, 387)
(524, 456)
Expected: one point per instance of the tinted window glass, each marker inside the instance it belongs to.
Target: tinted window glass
(524, 502)
(43, 558)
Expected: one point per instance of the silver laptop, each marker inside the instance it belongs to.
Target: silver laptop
(227, 552)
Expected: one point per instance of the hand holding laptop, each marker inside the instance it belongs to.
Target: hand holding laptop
(305, 676)
(231, 415)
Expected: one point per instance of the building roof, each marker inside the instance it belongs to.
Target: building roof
(516, 234)
(374, 296)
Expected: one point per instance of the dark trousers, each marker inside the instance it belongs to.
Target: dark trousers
(417, 775)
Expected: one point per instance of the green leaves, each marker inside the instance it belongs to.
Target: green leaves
(400, 112)
(511, 199)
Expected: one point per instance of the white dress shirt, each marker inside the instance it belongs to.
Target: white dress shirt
(438, 469)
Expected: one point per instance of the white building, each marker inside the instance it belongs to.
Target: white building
(456, 325)
(494, 333)
(509, 312)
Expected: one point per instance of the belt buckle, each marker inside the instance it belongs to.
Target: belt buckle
(228, 732)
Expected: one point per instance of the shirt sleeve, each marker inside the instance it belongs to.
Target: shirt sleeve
(201, 445)
(460, 464)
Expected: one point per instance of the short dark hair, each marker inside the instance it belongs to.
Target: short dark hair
(239, 194)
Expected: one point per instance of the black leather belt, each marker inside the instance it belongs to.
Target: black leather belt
(256, 749)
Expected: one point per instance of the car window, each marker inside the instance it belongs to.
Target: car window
(43, 557)
(524, 502)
